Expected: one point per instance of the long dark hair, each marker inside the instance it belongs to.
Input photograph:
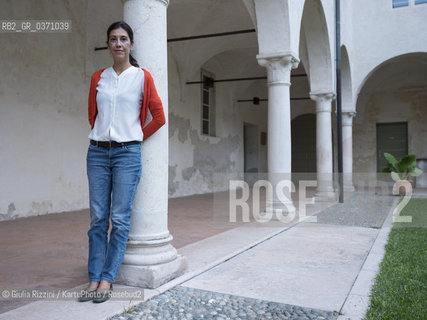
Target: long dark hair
(125, 26)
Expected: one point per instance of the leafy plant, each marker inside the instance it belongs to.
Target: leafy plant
(402, 169)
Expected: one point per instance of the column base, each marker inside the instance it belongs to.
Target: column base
(151, 276)
(325, 196)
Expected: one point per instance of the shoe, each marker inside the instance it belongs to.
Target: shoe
(87, 295)
(102, 297)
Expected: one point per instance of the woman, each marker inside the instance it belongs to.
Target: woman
(119, 100)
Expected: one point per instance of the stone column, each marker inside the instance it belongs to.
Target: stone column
(150, 259)
(325, 181)
(347, 136)
(279, 124)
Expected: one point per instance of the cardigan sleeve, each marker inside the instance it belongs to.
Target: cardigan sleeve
(156, 109)
(92, 110)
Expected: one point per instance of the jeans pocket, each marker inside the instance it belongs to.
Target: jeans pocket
(133, 148)
(91, 147)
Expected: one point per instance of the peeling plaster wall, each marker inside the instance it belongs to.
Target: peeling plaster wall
(199, 163)
(255, 115)
(45, 83)
(43, 111)
(387, 108)
(42, 114)
(43, 106)
(395, 92)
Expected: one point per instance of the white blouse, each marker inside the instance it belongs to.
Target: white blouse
(119, 99)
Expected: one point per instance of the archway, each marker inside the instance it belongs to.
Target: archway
(346, 87)
(314, 32)
(195, 18)
(393, 92)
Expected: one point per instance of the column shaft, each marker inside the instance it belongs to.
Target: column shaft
(347, 132)
(279, 125)
(325, 189)
(150, 259)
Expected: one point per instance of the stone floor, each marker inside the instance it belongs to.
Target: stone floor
(304, 270)
(194, 304)
(50, 251)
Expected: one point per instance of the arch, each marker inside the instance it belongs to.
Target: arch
(189, 18)
(393, 92)
(412, 58)
(346, 86)
(403, 73)
(303, 54)
(315, 33)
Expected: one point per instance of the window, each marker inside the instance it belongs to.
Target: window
(420, 1)
(208, 104)
(400, 3)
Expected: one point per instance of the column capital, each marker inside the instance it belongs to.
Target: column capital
(323, 100)
(278, 66)
(347, 118)
(314, 95)
(165, 2)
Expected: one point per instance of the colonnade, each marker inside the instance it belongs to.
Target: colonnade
(150, 259)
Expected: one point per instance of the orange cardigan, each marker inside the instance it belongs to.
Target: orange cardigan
(150, 101)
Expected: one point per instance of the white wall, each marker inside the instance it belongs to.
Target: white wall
(43, 113)
(199, 163)
(379, 33)
(44, 102)
(384, 89)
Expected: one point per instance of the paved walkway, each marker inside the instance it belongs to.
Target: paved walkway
(299, 270)
(50, 251)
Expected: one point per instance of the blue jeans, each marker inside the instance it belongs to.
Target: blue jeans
(113, 177)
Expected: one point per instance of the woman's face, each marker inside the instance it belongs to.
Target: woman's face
(119, 44)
